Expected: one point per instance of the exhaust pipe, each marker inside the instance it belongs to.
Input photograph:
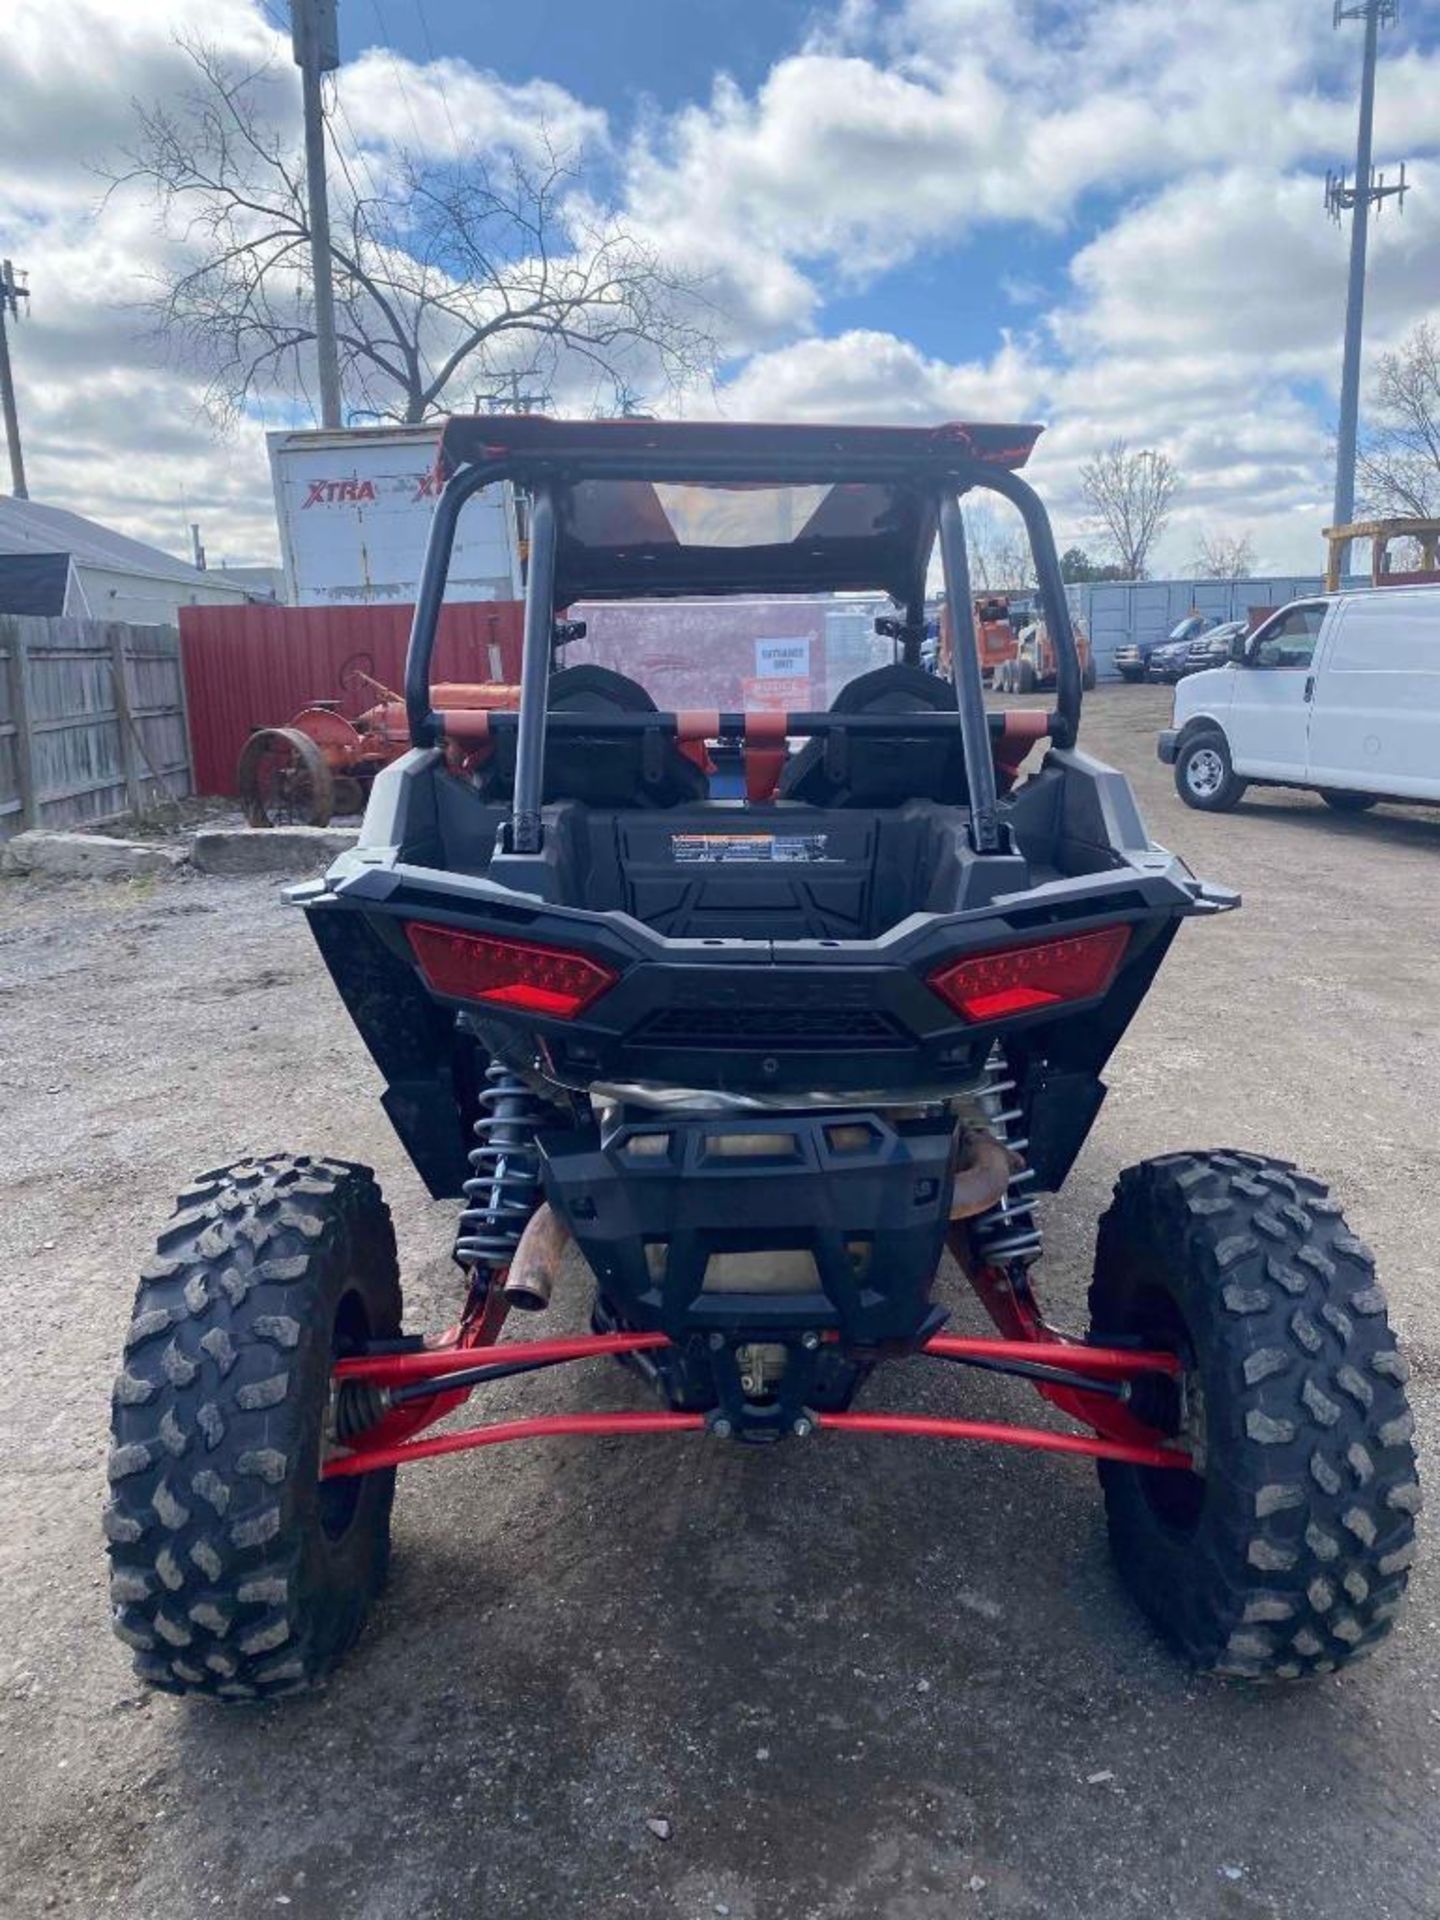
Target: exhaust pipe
(531, 1278)
(984, 1174)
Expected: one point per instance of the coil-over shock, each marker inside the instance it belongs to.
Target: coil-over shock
(504, 1187)
(1008, 1233)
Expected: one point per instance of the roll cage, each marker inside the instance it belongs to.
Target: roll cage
(920, 473)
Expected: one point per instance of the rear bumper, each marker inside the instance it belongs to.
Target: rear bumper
(1165, 745)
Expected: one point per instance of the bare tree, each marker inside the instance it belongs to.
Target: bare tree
(1130, 496)
(1399, 464)
(451, 275)
(999, 551)
(1224, 556)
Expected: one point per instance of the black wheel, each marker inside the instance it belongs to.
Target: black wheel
(1026, 679)
(1342, 802)
(1132, 676)
(1088, 676)
(235, 1571)
(349, 795)
(1287, 1554)
(1204, 777)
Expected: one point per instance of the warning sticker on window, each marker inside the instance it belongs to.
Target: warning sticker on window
(725, 849)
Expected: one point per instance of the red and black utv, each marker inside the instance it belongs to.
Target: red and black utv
(762, 1059)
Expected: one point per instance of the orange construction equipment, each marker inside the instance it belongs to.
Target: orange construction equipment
(995, 636)
(1032, 669)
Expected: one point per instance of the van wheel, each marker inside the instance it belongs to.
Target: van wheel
(1204, 777)
(1340, 802)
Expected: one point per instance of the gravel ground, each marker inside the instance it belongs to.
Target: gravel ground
(851, 1679)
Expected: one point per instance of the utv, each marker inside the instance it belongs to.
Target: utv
(762, 1059)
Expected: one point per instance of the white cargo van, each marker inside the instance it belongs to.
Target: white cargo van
(1340, 693)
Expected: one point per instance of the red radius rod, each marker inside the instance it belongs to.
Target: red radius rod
(1107, 1363)
(395, 1369)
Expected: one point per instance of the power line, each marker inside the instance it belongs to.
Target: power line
(439, 77)
(385, 41)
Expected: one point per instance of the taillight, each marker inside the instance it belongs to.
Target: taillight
(993, 986)
(508, 973)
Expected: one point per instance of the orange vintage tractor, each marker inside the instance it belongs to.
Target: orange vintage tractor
(322, 764)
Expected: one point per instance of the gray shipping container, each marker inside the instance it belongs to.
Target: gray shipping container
(1117, 612)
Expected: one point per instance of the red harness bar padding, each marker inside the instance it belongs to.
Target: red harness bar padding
(765, 753)
(766, 750)
(470, 726)
(1023, 727)
(694, 726)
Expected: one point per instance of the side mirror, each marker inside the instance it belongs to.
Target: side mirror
(1237, 648)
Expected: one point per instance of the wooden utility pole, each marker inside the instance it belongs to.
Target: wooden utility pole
(11, 294)
(1342, 196)
(315, 36)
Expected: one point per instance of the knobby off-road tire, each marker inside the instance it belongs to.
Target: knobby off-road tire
(1290, 1555)
(234, 1572)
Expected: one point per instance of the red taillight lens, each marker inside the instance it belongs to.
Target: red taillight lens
(993, 986)
(508, 973)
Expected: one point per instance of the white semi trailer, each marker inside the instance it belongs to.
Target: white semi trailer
(354, 509)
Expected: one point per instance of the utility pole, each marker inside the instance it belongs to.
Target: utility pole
(315, 36)
(1357, 199)
(12, 292)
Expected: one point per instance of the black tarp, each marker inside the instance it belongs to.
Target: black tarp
(33, 582)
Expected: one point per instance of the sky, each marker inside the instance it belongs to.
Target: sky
(1107, 217)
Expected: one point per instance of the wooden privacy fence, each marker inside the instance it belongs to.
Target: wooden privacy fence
(92, 721)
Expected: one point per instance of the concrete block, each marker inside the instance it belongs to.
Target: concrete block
(235, 850)
(88, 856)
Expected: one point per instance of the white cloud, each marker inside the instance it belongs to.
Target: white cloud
(865, 376)
(447, 107)
(1201, 312)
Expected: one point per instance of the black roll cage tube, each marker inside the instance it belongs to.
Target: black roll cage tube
(542, 484)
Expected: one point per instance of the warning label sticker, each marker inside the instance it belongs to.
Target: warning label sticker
(725, 849)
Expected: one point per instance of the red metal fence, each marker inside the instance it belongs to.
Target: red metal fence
(256, 666)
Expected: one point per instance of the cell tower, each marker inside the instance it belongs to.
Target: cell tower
(1356, 198)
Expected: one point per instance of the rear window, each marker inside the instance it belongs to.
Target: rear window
(781, 653)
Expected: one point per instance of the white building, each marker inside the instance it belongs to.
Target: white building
(56, 562)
